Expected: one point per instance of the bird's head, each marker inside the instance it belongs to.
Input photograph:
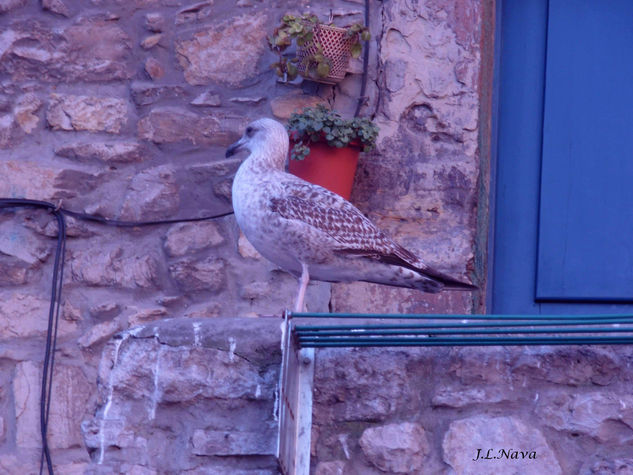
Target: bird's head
(266, 136)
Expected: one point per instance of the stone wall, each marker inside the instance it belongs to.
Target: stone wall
(124, 108)
(530, 410)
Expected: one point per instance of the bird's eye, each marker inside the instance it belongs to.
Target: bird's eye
(249, 131)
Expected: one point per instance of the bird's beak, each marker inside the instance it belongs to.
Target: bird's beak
(236, 147)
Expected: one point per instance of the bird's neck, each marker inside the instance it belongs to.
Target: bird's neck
(270, 157)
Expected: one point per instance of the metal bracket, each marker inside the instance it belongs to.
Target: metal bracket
(295, 408)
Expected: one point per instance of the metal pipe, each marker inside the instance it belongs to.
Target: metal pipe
(466, 330)
(418, 316)
(414, 326)
(303, 334)
(470, 342)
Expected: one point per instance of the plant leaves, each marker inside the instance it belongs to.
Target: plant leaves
(323, 69)
(356, 50)
(292, 71)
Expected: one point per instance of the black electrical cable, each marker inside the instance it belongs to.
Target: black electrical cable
(51, 340)
(363, 85)
(13, 202)
(56, 295)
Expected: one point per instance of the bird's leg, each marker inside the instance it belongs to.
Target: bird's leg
(303, 285)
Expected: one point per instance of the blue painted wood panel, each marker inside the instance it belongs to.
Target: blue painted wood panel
(521, 77)
(586, 206)
(521, 82)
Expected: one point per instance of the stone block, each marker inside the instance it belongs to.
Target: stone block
(152, 194)
(247, 100)
(107, 152)
(223, 189)
(22, 243)
(283, 106)
(207, 98)
(93, 114)
(146, 315)
(361, 297)
(360, 390)
(151, 41)
(19, 120)
(246, 249)
(574, 366)
(146, 93)
(223, 443)
(154, 68)
(193, 275)
(456, 396)
(226, 53)
(188, 238)
(397, 448)
(194, 12)
(154, 21)
(155, 381)
(205, 172)
(99, 333)
(174, 125)
(9, 135)
(9, 5)
(71, 392)
(23, 315)
(255, 290)
(604, 466)
(97, 50)
(210, 373)
(13, 271)
(76, 468)
(25, 112)
(603, 415)
(138, 470)
(46, 225)
(26, 461)
(111, 268)
(525, 449)
(56, 6)
(71, 183)
(335, 467)
(93, 49)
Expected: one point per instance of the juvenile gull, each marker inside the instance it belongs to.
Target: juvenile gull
(310, 231)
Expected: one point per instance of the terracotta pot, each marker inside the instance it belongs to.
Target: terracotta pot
(332, 168)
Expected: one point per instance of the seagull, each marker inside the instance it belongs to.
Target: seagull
(312, 232)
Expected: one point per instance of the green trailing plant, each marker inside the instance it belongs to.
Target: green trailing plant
(319, 124)
(301, 30)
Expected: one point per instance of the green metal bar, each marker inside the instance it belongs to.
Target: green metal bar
(505, 338)
(478, 341)
(414, 326)
(466, 330)
(420, 316)
(303, 334)
(434, 342)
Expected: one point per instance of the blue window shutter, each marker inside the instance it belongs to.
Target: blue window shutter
(585, 247)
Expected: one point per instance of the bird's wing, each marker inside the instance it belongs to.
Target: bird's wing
(350, 229)
(332, 215)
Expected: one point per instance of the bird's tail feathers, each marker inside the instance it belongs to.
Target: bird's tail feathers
(447, 282)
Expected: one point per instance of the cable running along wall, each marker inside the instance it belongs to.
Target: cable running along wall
(56, 294)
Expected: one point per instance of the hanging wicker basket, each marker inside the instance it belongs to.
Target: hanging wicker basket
(336, 46)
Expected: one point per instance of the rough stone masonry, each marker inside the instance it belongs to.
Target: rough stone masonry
(123, 108)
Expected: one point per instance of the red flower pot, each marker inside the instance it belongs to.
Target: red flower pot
(332, 168)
